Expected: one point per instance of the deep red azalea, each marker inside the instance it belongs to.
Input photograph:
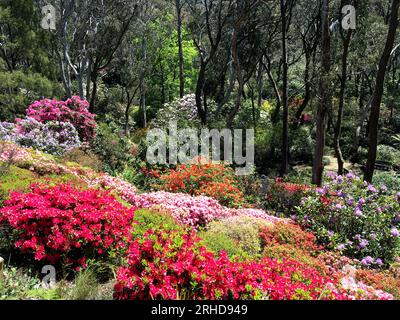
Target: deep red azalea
(61, 222)
(173, 265)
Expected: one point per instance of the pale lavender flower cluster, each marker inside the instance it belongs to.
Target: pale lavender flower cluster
(52, 137)
(8, 132)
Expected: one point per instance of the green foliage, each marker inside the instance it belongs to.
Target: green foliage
(221, 242)
(351, 216)
(85, 287)
(26, 70)
(85, 158)
(16, 284)
(390, 179)
(242, 231)
(389, 154)
(15, 179)
(112, 148)
(301, 145)
(153, 219)
(18, 89)
(267, 144)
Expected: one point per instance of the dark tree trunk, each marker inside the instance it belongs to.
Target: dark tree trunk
(378, 92)
(338, 127)
(239, 76)
(285, 118)
(325, 92)
(181, 60)
(307, 88)
(201, 79)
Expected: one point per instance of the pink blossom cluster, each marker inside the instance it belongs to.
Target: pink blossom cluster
(195, 211)
(188, 210)
(11, 152)
(74, 111)
(124, 189)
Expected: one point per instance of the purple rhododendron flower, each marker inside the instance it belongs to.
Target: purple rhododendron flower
(395, 232)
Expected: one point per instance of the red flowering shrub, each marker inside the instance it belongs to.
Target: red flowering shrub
(173, 265)
(217, 181)
(291, 234)
(63, 224)
(74, 111)
(285, 197)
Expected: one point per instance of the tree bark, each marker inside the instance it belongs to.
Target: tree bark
(239, 75)
(285, 117)
(181, 60)
(378, 92)
(338, 127)
(326, 99)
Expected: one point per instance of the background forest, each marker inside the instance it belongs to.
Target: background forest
(82, 83)
(241, 64)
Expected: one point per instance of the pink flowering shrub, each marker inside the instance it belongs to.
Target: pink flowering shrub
(188, 210)
(64, 224)
(74, 111)
(172, 265)
(195, 211)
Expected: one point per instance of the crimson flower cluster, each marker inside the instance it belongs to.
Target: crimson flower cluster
(64, 224)
(173, 265)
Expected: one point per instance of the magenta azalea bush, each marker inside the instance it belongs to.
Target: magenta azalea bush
(74, 111)
(356, 218)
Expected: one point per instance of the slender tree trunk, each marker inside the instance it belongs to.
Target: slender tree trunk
(338, 128)
(143, 84)
(307, 88)
(88, 71)
(127, 110)
(325, 92)
(181, 60)
(239, 76)
(275, 115)
(94, 92)
(260, 84)
(378, 93)
(285, 118)
(199, 92)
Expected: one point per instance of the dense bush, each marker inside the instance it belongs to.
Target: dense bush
(356, 218)
(217, 181)
(183, 111)
(283, 197)
(85, 158)
(52, 137)
(74, 111)
(301, 146)
(153, 219)
(63, 224)
(244, 231)
(389, 154)
(286, 233)
(112, 148)
(172, 265)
